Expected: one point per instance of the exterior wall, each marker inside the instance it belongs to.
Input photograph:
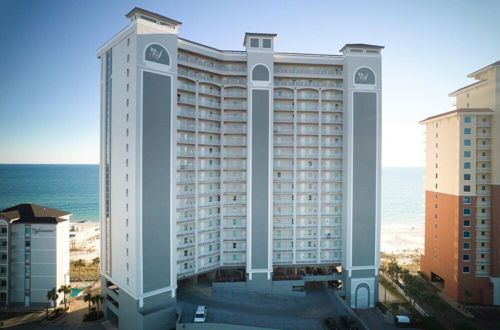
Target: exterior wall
(234, 169)
(444, 142)
(448, 252)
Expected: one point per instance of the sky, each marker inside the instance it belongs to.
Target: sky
(49, 71)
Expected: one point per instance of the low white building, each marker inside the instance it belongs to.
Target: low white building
(34, 254)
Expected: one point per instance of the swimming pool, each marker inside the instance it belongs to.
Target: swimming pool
(75, 292)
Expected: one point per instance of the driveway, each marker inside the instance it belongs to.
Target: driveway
(262, 310)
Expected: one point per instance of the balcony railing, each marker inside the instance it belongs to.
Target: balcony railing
(308, 71)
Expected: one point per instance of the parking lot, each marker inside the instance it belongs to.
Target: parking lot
(262, 310)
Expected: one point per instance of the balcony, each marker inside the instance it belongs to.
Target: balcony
(483, 158)
(186, 87)
(481, 135)
(484, 124)
(186, 140)
(283, 119)
(282, 130)
(235, 117)
(483, 170)
(209, 91)
(307, 96)
(308, 120)
(305, 71)
(235, 153)
(332, 132)
(283, 106)
(186, 153)
(283, 166)
(235, 129)
(483, 181)
(235, 94)
(282, 154)
(308, 131)
(186, 99)
(209, 116)
(209, 141)
(199, 76)
(238, 177)
(186, 112)
(283, 178)
(483, 204)
(209, 129)
(482, 262)
(234, 81)
(235, 142)
(186, 127)
(483, 193)
(185, 167)
(283, 143)
(234, 166)
(283, 95)
(328, 108)
(334, 97)
(482, 227)
(483, 146)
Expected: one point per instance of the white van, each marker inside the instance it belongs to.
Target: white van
(401, 320)
(201, 314)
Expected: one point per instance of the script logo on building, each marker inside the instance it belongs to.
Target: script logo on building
(158, 54)
(40, 230)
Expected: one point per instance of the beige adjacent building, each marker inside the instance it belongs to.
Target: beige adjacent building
(462, 241)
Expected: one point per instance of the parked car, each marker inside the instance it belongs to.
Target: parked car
(332, 324)
(402, 320)
(201, 314)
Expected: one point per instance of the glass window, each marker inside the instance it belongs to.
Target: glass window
(466, 257)
(466, 234)
(466, 223)
(466, 176)
(466, 188)
(467, 119)
(266, 43)
(254, 42)
(467, 153)
(467, 130)
(466, 245)
(465, 269)
(467, 143)
(467, 166)
(466, 211)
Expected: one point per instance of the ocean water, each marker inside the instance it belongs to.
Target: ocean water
(75, 188)
(72, 188)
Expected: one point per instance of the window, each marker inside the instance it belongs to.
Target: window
(466, 246)
(467, 154)
(266, 43)
(466, 257)
(467, 143)
(466, 166)
(466, 223)
(467, 131)
(467, 119)
(466, 211)
(466, 188)
(254, 42)
(466, 234)
(466, 200)
(465, 269)
(234, 245)
(466, 176)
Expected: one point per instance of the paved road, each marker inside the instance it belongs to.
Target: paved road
(262, 310)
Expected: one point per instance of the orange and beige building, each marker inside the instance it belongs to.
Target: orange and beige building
(462, 192)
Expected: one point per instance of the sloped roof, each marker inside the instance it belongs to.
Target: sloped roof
(471, 110)
(32, 213)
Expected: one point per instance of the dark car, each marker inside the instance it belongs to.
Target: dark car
(332, 324)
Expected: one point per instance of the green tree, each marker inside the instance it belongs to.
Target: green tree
(64, 289)
(393, 269)
(79, 264)
(52, 296)
(88, 298)
(96, 261)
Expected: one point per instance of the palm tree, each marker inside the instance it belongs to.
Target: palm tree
(79, 264)
(99, 300)
(64, 289)
(96, 261)
(88, 298)
(52, 296)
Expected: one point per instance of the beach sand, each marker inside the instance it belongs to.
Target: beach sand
(397, 238)
(84, 241)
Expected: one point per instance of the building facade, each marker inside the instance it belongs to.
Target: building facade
(462, 197)
(34, 254)
(216, 159)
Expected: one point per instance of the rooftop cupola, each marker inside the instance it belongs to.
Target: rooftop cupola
(142, 14)
(361, 49)
(259, 41)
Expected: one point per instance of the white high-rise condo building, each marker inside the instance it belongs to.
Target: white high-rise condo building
(213, 160)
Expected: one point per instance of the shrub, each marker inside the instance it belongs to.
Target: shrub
(382, 307)
(394, 307)
(463, 325)
(93, 316)
(430, 323)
